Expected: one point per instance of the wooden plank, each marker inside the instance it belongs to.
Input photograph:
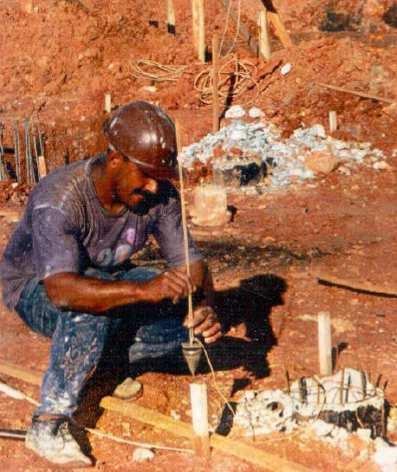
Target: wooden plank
(243, 451)
(11, 216)
(362, 286)
(21, 373)
(355, 92)
(233, 447)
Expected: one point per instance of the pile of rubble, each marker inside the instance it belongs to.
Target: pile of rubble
(254, 153)
(332, 408)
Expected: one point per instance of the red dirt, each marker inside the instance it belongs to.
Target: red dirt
(57, 64)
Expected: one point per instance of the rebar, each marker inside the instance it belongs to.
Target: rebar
(3, 173)
(30, 174)
(17, 152)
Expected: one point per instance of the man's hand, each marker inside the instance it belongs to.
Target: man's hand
(173, 284)
(205, 322)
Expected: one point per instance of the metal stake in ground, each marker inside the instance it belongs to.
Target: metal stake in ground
(192, 349)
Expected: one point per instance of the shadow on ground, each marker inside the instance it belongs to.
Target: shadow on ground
(249, 304)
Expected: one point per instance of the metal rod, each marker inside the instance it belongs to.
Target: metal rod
(342, 386)
(349, 381)
(184, 228)
(3, 174)
(288, 382)
(17, 155)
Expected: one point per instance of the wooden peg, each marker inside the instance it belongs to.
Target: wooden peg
(199, 28)
(215, 94)
(171, 17)
(324, 343)
(108, 103)
(333, 121)
(41, 166)
(264, 40)
(199, 404)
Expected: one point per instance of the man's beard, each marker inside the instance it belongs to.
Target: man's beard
(149, 201)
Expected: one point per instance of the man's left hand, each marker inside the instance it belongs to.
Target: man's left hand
(205, 322)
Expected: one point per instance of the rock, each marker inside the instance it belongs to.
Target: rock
(129, 389)
(321, 162)
(386, 457)
(321, 428)
(236, 111)
(344, 170)
(141, 454)
(255, 112)
(381, 165)
(286, 69)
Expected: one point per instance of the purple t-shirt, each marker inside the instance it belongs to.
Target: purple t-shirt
(65, 229)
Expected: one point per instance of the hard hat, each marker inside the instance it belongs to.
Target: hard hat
(146, 136)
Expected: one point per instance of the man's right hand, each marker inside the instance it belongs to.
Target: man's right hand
(173, 284)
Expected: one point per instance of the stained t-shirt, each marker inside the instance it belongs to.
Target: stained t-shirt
(65, 229)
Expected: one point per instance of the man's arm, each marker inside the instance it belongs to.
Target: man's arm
(71, 291)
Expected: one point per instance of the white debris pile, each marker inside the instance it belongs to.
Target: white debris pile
(345, 398)
(285, 159)
(333, 408)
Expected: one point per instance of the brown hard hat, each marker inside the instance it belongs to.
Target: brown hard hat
(146, 135)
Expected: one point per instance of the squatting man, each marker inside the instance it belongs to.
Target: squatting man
(66, 270)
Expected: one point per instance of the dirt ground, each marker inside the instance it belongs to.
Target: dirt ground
(59, 58)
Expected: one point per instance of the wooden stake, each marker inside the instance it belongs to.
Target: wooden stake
(279, 29)
(236, 448)
(215, 94)
(199, 404)
(333, 121)
(171, 17)
(199, 28)
(359, 94)
(264, 40)
(108, 102)
(324, 343)
(41, 166)
(363, 286)
(184, 227)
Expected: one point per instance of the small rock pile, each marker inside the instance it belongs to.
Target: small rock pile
(305, 154)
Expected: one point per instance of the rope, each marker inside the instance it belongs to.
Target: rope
(228, 12)
(156, 72)
(217, 389)
(235, 78)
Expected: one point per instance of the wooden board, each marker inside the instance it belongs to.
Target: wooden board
(239, 449)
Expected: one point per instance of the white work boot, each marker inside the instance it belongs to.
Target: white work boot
(52, 440)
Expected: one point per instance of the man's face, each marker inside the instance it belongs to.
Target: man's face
(136, 190)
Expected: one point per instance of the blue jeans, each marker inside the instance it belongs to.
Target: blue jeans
(79, 339)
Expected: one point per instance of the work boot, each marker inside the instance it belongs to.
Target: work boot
(129, 389)
(52, 440)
